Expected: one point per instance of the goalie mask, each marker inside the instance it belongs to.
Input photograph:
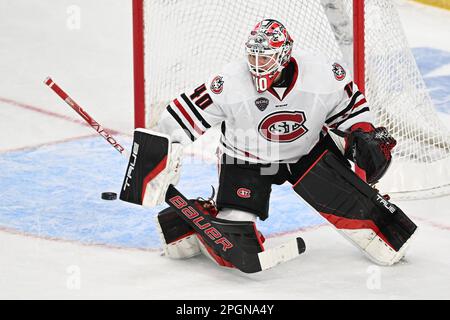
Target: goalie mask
(269, 50)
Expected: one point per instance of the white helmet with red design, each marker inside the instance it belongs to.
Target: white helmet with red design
(269, 50)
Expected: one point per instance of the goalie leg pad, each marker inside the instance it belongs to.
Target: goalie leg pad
(178, 239)
(216, 234)
(235, 243)
(154, 165)
(367, 219)
(242, 234)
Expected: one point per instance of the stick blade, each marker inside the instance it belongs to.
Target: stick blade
(281, 254)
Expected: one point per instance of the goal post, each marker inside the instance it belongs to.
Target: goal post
(139, 63)
(180, 43)
(358, 45)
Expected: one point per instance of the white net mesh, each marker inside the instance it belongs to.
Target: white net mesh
(188, 40)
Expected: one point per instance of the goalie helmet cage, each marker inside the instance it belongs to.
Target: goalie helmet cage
(180, 43)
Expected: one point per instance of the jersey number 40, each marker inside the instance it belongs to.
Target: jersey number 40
(201, 97)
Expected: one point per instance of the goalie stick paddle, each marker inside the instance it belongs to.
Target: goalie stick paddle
(212, 235)
(94, 124)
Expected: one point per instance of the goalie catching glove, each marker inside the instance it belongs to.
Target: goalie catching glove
(370, 148)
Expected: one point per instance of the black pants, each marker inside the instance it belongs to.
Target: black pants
(247, 186)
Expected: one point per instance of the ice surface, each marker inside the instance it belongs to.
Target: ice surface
(54, 226)
(54, 191)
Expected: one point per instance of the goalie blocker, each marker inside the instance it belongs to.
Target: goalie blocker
(155, 163)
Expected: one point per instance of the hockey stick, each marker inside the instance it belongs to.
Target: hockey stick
(210, 231)
(94, 124)
(249, 263)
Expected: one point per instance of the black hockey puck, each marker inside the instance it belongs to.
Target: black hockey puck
(301, 245)
(109, 196)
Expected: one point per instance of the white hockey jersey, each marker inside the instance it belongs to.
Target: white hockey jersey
(279, 125)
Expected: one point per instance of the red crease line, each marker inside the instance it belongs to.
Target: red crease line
(51, 114)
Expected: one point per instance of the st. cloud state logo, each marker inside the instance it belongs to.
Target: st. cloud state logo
(339, 72)
(217, 85)
(283, 126)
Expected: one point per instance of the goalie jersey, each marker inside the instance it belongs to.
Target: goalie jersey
(281, 124)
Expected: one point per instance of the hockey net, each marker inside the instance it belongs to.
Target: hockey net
(184, 42)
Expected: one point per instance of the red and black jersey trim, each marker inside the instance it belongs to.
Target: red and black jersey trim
(349, 89)
(353, 115)
(223, 128)
(348, 108)
(195, 111)
(187, 117)
(180, 123)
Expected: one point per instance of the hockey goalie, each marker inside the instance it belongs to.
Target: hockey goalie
(299, 119)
